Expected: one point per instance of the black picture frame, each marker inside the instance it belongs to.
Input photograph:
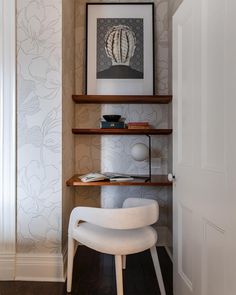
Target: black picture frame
(111, 68)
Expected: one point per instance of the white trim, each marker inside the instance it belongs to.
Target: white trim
(7, 137)
(169, 253)
(41, 267)
(7, 266)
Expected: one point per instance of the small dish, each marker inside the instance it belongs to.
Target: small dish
(112, 118)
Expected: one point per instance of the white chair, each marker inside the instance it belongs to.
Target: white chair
(119, 232)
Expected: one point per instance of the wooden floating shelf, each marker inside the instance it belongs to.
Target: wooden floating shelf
(123, 131)
(159, 99)
(157, 180)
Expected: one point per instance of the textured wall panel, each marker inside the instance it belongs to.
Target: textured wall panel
(39, 46)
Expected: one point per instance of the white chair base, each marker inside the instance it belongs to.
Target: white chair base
(119, 231)
(119, 274)
(120, 264)
(156, 263)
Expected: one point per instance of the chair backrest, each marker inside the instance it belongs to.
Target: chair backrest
(148, 210)
(135, 213)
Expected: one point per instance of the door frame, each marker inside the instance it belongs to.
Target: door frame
(7, 139)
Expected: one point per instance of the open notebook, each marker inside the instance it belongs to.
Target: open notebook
(99, 176)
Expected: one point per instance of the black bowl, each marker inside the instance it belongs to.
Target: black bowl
(112, 118)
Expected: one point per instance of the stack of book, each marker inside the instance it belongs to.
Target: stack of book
(118, 125)
(138, 125)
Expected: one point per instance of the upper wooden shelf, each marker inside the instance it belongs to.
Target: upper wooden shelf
(157, 180)
(158, 99)
(123, 131)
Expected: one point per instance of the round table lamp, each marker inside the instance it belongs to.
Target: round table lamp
(141, 152)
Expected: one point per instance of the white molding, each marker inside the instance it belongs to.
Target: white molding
(7, 136)
(7, 266)
(41, 267)
(168, 251)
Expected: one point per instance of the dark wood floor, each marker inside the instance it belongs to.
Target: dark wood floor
(94, 274)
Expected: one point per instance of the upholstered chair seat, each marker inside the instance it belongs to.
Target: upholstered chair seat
(119, 242)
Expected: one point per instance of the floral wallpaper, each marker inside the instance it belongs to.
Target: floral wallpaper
(39, 66)
(112, 153)
(44, 65)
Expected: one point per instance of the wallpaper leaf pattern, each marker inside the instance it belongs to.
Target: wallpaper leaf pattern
(39, 29)
(39, 72)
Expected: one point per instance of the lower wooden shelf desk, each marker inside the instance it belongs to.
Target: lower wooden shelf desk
(157, 180)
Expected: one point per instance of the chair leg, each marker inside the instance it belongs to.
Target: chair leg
(156, 263)
(119, 278)
(124, 261)
(70, 258)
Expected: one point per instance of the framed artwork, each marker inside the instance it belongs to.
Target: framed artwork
(120, 48)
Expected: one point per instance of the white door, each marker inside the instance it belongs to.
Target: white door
(204, 112)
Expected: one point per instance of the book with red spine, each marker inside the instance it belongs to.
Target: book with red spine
(138, 124)
(138, 127)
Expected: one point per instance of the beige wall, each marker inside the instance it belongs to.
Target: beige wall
(68, 88)
(173, 5)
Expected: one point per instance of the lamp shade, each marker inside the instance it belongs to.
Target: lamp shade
(139, 152)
